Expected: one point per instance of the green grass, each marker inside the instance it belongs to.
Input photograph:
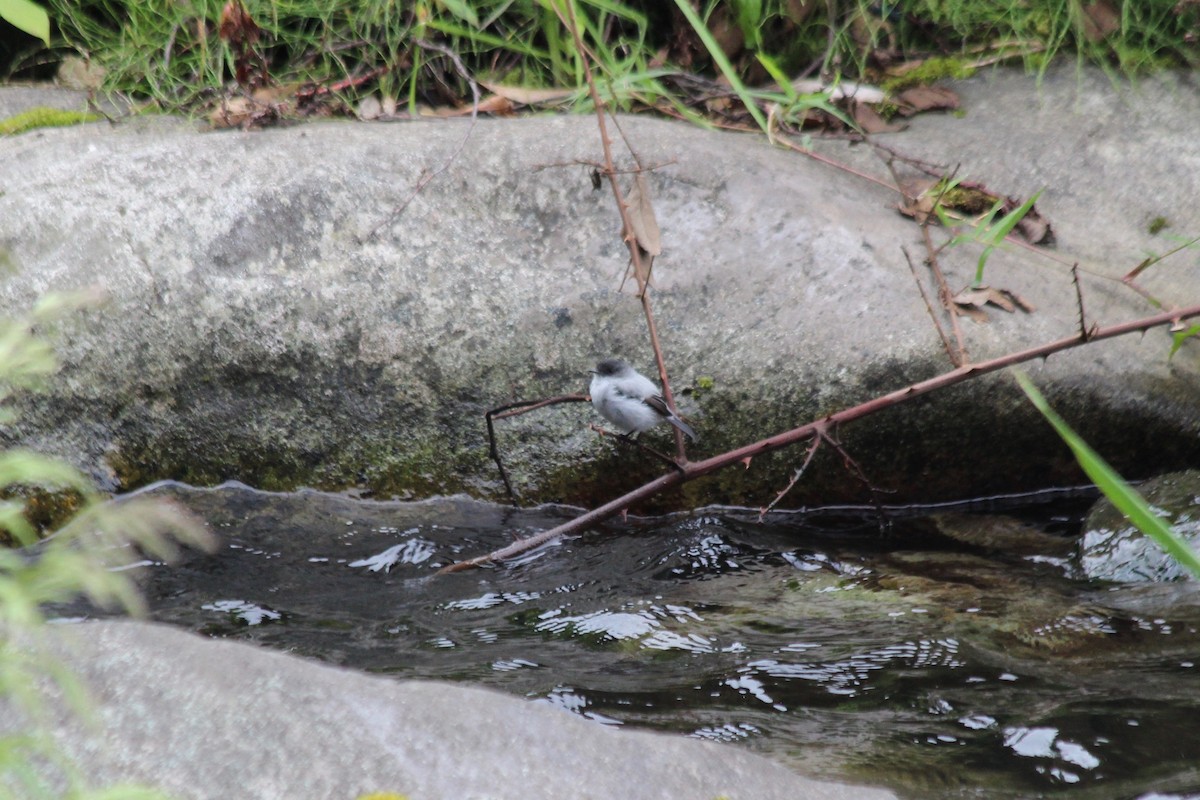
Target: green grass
(169, 52)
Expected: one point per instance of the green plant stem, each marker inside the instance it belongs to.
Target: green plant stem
(1114, 487)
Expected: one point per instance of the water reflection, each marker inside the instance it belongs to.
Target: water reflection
(943, 668)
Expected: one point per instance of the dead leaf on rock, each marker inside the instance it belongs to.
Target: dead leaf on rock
(925, 98)
(497, 104)
(522, 96)
(972, 200)
(918, 200)
(1035, 228)
(972, 300)
(871, 121)
(641, 216)
(262, 106)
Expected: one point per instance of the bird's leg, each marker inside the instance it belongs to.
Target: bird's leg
(630, 438)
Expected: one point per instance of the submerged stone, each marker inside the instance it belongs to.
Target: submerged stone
(1113, 549)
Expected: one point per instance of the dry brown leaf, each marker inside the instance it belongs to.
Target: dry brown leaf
(492, 104)
(1035, 228)
(871, 121)
(970, 199)
(976, 314)
(522, 96)
(925, 98)
(232, 113)
(799, 10)
(264, 105)
(971, 301)
(497, 104)
(725, 30)
(1099, 20)
(976, 297)
(920, 206)
(641, 216)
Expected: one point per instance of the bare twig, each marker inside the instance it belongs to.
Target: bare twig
(812, 451)
(311, 92)
(1128, 279)
(1084, 333)
(426, 178)
(693, 470)
(937, 323)
(959, 356)
(641, 271)
(513, 410)
(855, 469)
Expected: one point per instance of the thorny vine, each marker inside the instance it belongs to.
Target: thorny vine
(643, 246)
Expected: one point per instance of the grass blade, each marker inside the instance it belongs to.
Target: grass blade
(1120, 493)
(718, 57)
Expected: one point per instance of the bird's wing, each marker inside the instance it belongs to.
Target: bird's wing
(639, 387)
(656, 402)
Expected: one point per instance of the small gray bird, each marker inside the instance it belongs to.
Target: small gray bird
(630, 400)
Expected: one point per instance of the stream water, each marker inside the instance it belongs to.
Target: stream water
(947, 656)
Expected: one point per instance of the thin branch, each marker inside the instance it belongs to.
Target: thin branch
(960, 356)
(855, 469)
(696, 469)
(937, 323)
(812, 451)
(428, 177)
(516, 409)
(525, 406)
(1084, 333)
(641, 273)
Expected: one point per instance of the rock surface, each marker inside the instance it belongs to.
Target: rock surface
(215, 719)
(296, 306)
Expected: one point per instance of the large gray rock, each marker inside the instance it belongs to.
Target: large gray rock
(214, 719)
(259, 329)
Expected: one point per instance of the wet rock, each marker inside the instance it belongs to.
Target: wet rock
(286, 307)
(1002, 534)
(204, 719)
(1112, 549)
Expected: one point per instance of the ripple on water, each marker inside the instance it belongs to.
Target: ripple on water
(943, 666)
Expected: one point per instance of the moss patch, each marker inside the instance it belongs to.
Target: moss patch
(43, 117)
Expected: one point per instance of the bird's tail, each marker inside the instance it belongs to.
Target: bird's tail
(683, 426)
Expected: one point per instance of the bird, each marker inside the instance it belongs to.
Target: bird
(630, 400)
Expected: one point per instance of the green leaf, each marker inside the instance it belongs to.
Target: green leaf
(749, 15)
(1182, 336)
(463, 11)
(1120, 493)
(994, 234)
(28, 16)
(778, 75)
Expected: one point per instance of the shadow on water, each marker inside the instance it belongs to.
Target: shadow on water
(949, 656)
